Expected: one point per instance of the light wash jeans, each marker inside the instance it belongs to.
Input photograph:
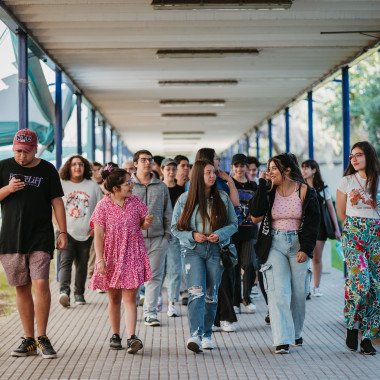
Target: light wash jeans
(203, 273)
(173, 269)
(156, 249)
(285, 282)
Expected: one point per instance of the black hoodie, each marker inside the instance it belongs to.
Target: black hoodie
(261, 205)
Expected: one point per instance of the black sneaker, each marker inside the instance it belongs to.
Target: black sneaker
(27, 347)
(150, 321)
(283, 349)
(46, 348)
(308, 297)
(267, 318)
(185, 301)
(352, 339)
(298, 342)
(79, 299)
(366, 347)
(115, 342)
(134, 344)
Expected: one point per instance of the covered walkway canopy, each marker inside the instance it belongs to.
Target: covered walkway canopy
(174, 80)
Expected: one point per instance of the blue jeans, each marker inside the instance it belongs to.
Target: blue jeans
(285, 282)
(173, 269)
(203, 271)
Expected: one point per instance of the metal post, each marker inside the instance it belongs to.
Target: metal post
(79, 123)
(58, 117)
(93, 139)
(310, 120)
(287, 129)
(247, 143)
(270, 138)
(23, 112)
(258, 145)
(104, 140)
(346, 115)
(111, 144)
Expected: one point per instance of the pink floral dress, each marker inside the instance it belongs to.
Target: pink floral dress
(124, 252)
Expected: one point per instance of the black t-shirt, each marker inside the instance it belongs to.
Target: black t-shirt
(27, 213)
(175, 192)
(247, 230)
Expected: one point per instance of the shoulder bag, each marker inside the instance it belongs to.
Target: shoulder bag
(326, 219)
(228, 255)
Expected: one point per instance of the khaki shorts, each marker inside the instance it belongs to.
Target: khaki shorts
(21, 269)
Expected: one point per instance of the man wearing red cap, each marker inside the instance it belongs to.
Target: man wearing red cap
(29, 188)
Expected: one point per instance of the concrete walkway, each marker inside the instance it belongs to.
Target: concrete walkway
(80, 335)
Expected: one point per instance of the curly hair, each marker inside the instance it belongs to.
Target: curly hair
(65, 174)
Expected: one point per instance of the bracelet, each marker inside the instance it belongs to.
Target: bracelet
(99, 261)
(63, 233)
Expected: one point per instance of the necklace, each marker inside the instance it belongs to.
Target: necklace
(118, 204)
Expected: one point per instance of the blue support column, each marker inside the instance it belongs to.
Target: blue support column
(258, 145)
(287, 130)
(270, 138)
(104, 140)
(79, 123)
(247, 144)
(111, 145)
(346, 115)
(310, 121)
(118, 150)
(93, 135)
(58, 118)
(23, 118)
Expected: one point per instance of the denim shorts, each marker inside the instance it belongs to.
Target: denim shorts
(21, 269)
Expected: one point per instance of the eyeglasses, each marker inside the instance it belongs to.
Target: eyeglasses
(143, 160)
(128, 183)
(357, 155)
(80, 164)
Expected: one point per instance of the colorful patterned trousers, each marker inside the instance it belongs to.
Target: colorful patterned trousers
(361, 246)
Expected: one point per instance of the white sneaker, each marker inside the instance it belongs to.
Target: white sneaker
(250, 308)
(255, 292)
(64, 299)
(237, 309)
(317, 292)
(215, 328)
(207, 344)
(172, 311)
(194, 344)
(227, 326)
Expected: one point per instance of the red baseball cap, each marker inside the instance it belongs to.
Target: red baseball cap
(25, 140)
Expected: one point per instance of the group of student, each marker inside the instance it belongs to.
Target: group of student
(147, 230)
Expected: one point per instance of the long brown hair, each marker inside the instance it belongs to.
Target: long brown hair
(372, 167)
(196, 195)
(318, 183)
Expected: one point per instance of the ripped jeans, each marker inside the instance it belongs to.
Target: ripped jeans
(203, 271)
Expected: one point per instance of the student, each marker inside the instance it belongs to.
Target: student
(155, 195)
(312, 174)
(80, 199)
(173, 266)
(183, 170)
(358, 205)
(29, 189)
(287, 237)
(122, 264)
(203, 219)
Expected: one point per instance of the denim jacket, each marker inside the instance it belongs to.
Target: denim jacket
(186, 237)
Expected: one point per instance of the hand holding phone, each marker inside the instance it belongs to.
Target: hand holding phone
(16, 183)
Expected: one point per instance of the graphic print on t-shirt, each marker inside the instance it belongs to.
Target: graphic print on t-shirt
(77, 204)
(242, 211)
(29, 180)
(357, 196)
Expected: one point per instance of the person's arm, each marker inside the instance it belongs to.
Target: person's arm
(60, 217)
(98, 245)
(13, 186)
(330, 206)
(341, 202)
(184, 236)
(258, 205)
(146, 221)
(234, 195)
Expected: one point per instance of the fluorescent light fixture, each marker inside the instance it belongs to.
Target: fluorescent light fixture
(179, 138)
(189, 114)
(221, 5)
(167, 133)
(206, 53)
(212, 82)
(192, 102)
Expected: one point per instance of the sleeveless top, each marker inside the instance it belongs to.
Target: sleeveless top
(287, 211)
